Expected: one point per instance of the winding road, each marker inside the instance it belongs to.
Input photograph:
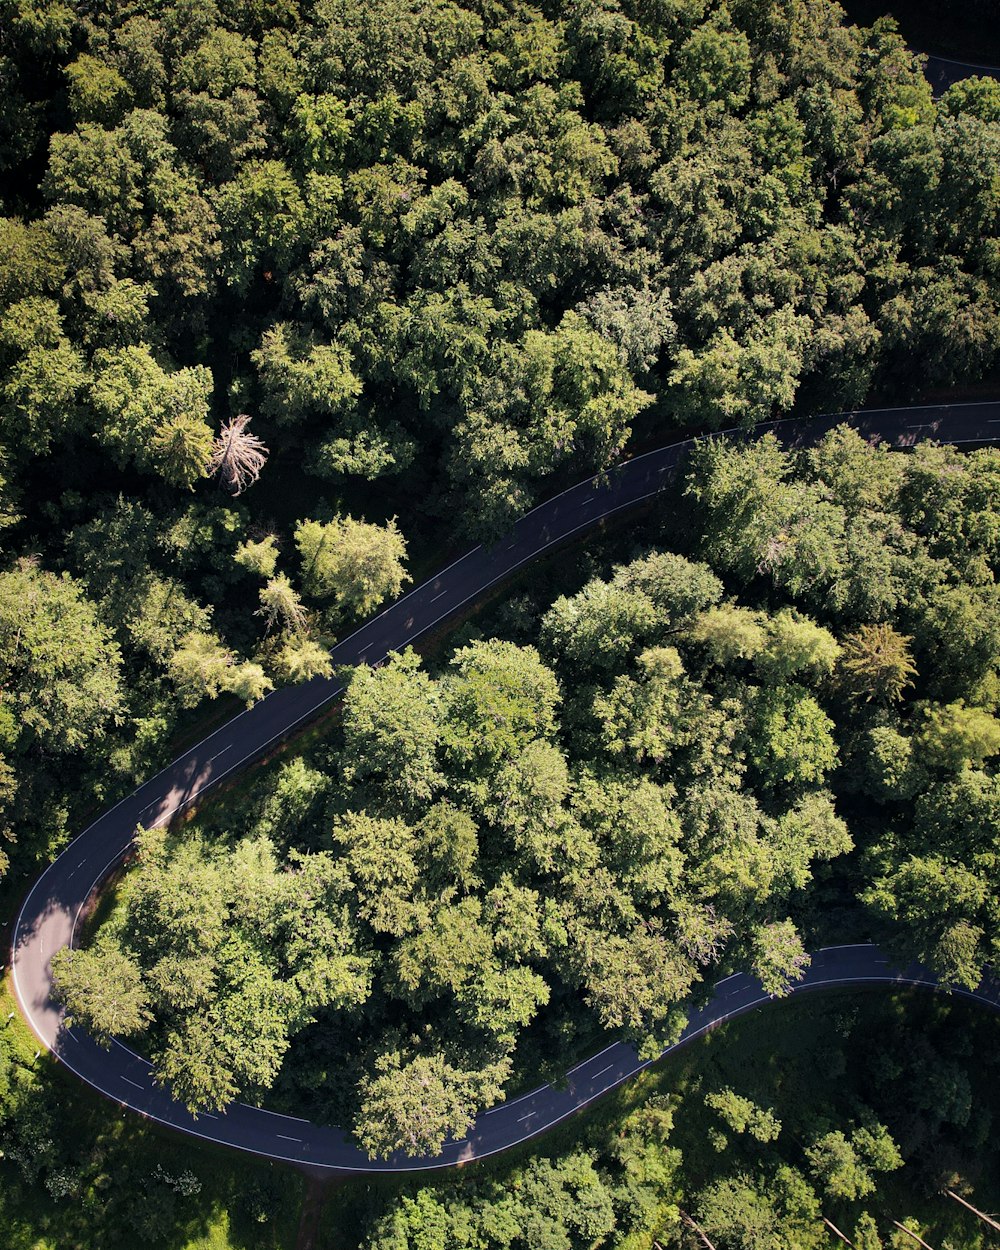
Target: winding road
(51, 912)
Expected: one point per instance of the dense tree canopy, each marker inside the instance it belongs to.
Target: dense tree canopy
(447, 257)
(648, 785)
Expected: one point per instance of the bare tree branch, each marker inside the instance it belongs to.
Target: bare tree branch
(237, 455)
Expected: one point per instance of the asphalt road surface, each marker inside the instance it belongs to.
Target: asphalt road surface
(942, 73)
(51, 911)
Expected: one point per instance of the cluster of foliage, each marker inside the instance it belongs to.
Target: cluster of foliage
(483, 236)
(862, 1110)
(570, 834)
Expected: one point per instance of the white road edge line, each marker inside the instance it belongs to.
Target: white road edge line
(437, 1164)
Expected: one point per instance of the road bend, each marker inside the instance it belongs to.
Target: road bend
(50, 915)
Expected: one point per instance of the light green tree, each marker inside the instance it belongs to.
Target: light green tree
(103, 991)
(743, 1115)
(779, 957)
(260, 557)
(62, 669)
(797, 645)
(355, 564)
(953, 735)
(729, 633)
(281, 607)
(301, 658)
(392, 731)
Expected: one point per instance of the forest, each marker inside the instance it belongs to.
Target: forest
(297, 299)
(653, 781)
(439, 281)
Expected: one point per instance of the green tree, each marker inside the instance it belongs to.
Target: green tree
(649, 716)
(261, 216)
(845, 1166)
(353, 563)
(301, 376)
(953, 735)
(934, 903)
(859, 476)
(810, 829)
(791, 740)
(757, 520)
(103, 990)
(40, 396)
(498, 697)
(62, 670)
(779, 957)
(201, 667)
(259, 557)
(413, 1104)
(634, 981)
(715, 63)
(749, 1213)
(743, 1115)
(600, 625)
(301, 658)
(392, 731)
(220, 124)
(875, 663)
(97, 91)
(450, 849)
(892, 767)
(797, 645)
(151, 417)
(281, 607)
(729, 633)
(679, 587)
(866, 1233)
(380, 856)
(734, 382)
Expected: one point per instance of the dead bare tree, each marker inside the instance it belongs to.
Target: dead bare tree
(910, 1233)
(697, 1228)
(237, 455)
(988, 1220)
(836, 1231)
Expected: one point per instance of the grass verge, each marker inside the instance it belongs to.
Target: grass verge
(78, 1173)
